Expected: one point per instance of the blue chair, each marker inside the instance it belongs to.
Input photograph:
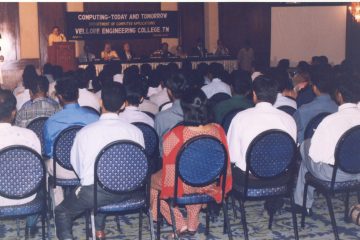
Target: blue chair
(165, 106)
(37, 126)
(270, 160)
(62, 148)
(313, 124)
(347, 159)
(149, 114)
(226, 121)
(22, 174)
(201, 161)
(122, 167)
(289, 110)
(151, 144)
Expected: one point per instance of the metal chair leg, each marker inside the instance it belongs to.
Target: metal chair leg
(304, 205)
(43, 216)
(159, 218)
(292, 202)
(346, 213)
(17, 228)
(207, 219)
(87, 229)
(117, 219)
(227, 222)
(151, 225)
(140, 224)
(271, 218)
(233, 204)
(243, 219)
(173, 222)
(332, 216)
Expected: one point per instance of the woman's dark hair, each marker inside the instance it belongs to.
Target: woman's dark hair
(29, 74)
(177, 84)
(194, 104)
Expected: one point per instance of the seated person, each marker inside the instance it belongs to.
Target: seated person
(86, 98)
(134, 96)
(40, 104)
(71, 114)
(157, 87)
(216, 85)
(163, 52)
(322, 87)
(284, 86)
(108, 54)
(22, 92)
(302, 88)
(241, 88)
(251, 122)
(10, 136)
(87, 55)
(176, 86)
(221, 50)
(180, 52)
(319, 158)
(87, 145)
(126, 54)
(199, 50)
(194, 106)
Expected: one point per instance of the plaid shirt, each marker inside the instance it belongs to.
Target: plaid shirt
(40, 107)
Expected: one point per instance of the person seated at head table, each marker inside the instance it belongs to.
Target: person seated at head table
(163, 52)
(180, 52)
(126, 54)
(221, 50)
(108, 54)
(56, 36)
(194, 107)
(86, 55)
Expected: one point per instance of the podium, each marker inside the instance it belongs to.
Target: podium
(62, 54)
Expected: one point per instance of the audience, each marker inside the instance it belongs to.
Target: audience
(319, 159)
(86, 98)
(160, 76)
(241, 88)
(284, 86)
(39, 105)
(134, 96)
(249, 123)
(302, 88)
(216, 85)
(22, 92)
(71, 114)
(87, 145)
(194, 107)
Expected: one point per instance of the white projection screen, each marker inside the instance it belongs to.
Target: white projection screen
(298, 33)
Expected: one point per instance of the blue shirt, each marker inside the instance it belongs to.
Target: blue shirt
(71, 115)
(306, 112)
(305, 95)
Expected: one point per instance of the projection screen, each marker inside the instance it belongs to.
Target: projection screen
(298, 33)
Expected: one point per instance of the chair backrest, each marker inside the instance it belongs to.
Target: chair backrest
(201, 161)
(22, 172)
(313, 124)
(92, 109)
(218, 97)
(271, 154)
(289, 110)
(226, 121)
(37, 126)
(151, 139)
(347, 152)
(149, 114)
(121, 166)
(165, 106)
(62, 146)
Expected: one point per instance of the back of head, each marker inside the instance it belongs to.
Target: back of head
(134, 92)
(57, 72)
(113, 96)
(195, 107)
(266, 89)
(39, 86)
(322, 78)
(177, 84)
(216, 70)
(48, 68)
(7, 105)
(349, 87)
(281, 78)
(29, 74)
(257, 66)
(241, 82)
(203, 69)
(67, 88)
(145, 69)
(283, 64)
(323, 60)
(82, 79)
(186, 65)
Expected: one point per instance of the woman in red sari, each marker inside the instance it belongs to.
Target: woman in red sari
(194, 106)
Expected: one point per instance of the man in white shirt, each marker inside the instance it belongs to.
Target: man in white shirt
(216, 85)
(87, 145)
(251, 122)
(87, 98)
(10, 136)
(320, 159)
(134, 96)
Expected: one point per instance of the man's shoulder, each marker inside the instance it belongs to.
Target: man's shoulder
(27, 133)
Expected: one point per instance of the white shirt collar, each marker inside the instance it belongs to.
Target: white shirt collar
(132, 108)
(263, 105)
(216, 80)
(109, 116)
(347, 106)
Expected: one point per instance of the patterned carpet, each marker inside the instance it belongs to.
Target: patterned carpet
(317, 227)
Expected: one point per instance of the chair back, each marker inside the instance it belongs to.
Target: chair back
(200, 162)
(271, 154)
(62, 147)
(22, 172)
(165, 106)
(289, 110)
(37, 126)
(219, 97)
(92, 109)
(313, 124)
(151, 139)
(226, 121)
(149, 114)
(121, 167)
(347, 152)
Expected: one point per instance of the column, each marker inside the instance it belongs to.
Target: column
(211, 15)
(173, 42)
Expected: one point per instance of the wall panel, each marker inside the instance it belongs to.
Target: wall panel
(9, 30)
